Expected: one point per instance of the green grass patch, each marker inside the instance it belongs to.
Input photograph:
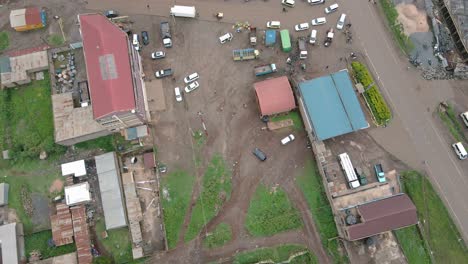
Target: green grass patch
(270, 212)
(279, 254)
(4, 41)
(55, 40)
(404, 42)
(215, 191)
(26, 120)
(450, 120)
(310, 182)
(106, 143)
(412, 244)
(294, 116)
(378, 106)
(39, 242)
(438, 228)
(35, 176)
(220, 236)
(117, 244)
(176, 188)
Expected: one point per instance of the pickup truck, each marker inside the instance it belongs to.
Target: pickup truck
(329, 37)
(163, 73)
(265, 69)
(379, 172)
(302, 48)
(166, 34)
(245, 54)
(253, 36)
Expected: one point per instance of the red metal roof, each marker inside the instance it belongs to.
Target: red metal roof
(275, 96)
(384, 215)
(33, 16)
(81, 231)
(148, 160)
(61, 223)
(107, 60)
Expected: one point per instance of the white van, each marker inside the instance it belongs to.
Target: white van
(136, 42)
(313, 37)
(460, 150)
(464, 117)
(226, 37)
(331, 8)
(273, 24)
(341, 21)
(288, 3)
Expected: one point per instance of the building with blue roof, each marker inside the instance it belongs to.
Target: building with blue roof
(330, 106)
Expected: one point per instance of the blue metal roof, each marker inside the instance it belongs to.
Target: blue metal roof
(332, 105)
(270, 37)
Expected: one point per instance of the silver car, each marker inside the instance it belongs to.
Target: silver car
(192, 77)
(191, 87)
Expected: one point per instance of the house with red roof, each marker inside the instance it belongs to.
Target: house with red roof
(115, 74)
(274, 96)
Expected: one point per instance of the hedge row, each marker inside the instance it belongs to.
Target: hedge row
(376, 101)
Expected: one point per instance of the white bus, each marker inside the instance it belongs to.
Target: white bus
(349, 170)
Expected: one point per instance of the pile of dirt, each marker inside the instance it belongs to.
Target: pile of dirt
(56, 186)
(412, 19)
(26, 201)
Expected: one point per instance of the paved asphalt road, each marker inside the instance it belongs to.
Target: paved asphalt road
(412, 135)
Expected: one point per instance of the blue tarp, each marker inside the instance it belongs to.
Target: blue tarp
(332, 105)
(270, 37)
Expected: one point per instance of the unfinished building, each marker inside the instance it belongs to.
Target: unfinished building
(455, 15)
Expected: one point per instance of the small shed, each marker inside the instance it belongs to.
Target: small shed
(136, 132)
(148, 160)
(77, 193)
(27, 18)
(270, 37)
(75, 168)
(4, 187)
(274, 96)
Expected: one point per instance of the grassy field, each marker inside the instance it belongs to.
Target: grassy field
(294, 116)
(439, 230)
(279, 254)
(310, 182)
(215, 191)
(451, 121)
(4, 40)
(403, 41)
(105, 143)
(35, 176)
(26, 120)
(38, 241)
(220, 236)
(271, 212)
(176, 188)
(413, 246)
(117, 244)
(55, 40)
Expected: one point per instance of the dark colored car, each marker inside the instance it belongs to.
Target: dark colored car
(259, 154)
(145, 37)
(111, 14)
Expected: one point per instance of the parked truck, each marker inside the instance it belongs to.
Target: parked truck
(166, 34)
(265, 69)
(379, 173)
(329, 37)
(183, 11)
(163, 73)
(245, 54)
(253, 36)
(302, 48)
(270, 37)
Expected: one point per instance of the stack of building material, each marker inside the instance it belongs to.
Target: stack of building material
(81, 232)
(62, 227)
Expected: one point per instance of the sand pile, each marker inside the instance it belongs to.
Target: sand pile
(412, 19)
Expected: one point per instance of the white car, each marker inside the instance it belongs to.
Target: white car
(226, 37)
(273, 24)
(178, 95)
(331, 8)
(313, 37)
(341, 21)
(192, 77)
(316, 2)
(302, 26)
(288, 3)
(158, 55)
(191, 87)
(318, 21)
(287, 139)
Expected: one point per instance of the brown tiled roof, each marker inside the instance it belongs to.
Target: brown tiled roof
(81, 231)
(62, 227)
(384, 215)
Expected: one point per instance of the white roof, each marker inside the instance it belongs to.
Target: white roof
(8, 244)
(77, 193)
(18, 18)
(76, 168)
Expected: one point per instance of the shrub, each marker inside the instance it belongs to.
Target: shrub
(375, 99)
